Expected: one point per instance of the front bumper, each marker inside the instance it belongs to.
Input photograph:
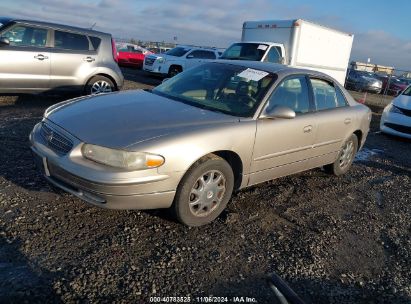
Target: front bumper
(395, 124)
(101, 185)
(155, 68)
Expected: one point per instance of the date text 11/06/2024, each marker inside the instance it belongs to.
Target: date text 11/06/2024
(209, 299)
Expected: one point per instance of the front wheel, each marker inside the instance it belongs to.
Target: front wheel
(174, 70)
(345, 157)
(204, 191)
(98, 85)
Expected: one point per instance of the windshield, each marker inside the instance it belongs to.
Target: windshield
(231, 89)
(177, 52)
(407, 91)
(245, 51)
(3, 22)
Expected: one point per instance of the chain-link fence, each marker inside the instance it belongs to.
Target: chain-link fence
(376, 81)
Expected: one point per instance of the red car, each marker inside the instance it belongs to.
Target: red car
(130, 55)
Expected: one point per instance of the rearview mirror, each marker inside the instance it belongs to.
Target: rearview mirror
(278, 112)
(4, 41)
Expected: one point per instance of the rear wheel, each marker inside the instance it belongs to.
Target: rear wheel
(174, 70)
(98, 85)
(345, 157)
(204, 191)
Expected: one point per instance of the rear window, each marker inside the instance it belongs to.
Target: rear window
(325, 95)
(95, 42)
(70, 41)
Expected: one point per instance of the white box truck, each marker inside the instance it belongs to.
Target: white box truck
(298, 43)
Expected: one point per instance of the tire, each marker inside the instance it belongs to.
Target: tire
(174, 70)
(204, 191)
(345, 157)
(98, 85)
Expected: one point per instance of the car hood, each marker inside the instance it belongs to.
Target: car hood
(402, 101)
(119, 120)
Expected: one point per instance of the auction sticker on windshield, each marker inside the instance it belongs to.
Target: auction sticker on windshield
(262, 47)
(251, 74)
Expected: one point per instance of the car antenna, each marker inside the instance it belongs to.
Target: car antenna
(94, 24)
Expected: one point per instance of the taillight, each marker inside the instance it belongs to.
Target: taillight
(114, 49)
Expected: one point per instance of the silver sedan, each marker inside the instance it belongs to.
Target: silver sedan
(193, 140)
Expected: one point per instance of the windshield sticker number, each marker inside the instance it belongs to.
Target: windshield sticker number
(262, 47)
(251, 74)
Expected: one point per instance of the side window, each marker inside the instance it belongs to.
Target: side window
(324, 94)
(193, 54)
(273, 55)
(70, 41)
(341, 101)
(292, 93)
(201, 55)
(208, 55)
(22, 35)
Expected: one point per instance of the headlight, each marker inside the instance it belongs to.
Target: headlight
(396, 110)
(161, 60)
(120, 158)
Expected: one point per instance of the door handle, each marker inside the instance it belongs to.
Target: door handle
(347, 121)
(307, 129)
(41, 57)
(89, 59)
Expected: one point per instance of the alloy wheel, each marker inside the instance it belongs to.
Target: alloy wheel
(101, 86)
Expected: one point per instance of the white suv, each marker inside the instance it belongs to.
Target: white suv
(178, 59)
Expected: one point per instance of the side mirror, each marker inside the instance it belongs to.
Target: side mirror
(165, 79)
(190, 56)
(278, 112)
(4, 41)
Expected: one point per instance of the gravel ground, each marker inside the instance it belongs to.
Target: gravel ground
(334, 240)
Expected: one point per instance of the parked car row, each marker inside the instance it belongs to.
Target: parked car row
(364, 81)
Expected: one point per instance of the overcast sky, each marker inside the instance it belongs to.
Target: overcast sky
(381, 28)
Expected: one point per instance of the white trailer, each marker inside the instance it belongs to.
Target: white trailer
(297, 43)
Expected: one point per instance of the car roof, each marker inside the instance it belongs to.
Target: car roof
(53, 25)
(194, 47)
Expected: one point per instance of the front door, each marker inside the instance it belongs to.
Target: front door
(25, 62)
(283, 146)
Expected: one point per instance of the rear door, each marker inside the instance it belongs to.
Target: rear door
(25, 62)
(73, 58)
(284, 146)
(334, 118)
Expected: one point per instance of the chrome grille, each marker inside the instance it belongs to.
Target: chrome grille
(54, 140)
(149, 61)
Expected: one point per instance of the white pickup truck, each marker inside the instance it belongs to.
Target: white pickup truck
(297, 43)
